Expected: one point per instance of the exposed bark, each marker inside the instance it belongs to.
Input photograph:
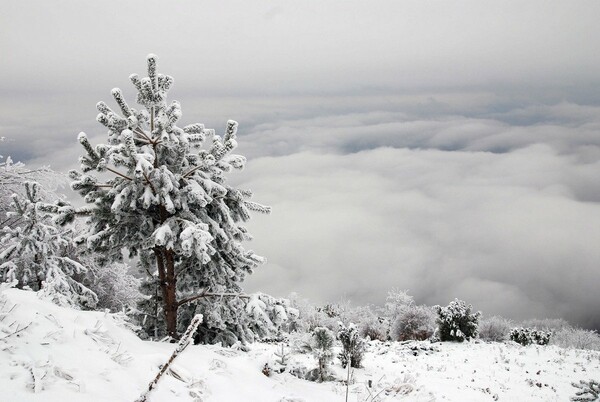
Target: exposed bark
(170, 303)
(167, 287)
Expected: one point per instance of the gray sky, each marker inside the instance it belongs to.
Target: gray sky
(447, 148)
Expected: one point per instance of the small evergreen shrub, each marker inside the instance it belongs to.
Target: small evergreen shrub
(495, 329)
(413, 323)
(529, 336)
(353, 347)
(456, 322)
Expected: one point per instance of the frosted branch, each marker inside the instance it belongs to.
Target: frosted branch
(209, 294)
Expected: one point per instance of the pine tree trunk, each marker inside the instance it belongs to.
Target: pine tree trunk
(171, 296)
(166, 275)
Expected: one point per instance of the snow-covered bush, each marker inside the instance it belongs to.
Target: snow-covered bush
(353, 346)
(300, 342)
(116, 288)
(529, 336)
(577, 338)
(407, 320)
(495, 328)
(367, 320)
(413, 323)
(311, 316)
(456, 322)
(375, 328)
(321, 346)
(586, 391)
(267, 316)
(167, 201)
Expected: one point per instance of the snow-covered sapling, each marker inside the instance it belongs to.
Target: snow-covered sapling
(322, 349)
(456, 322)
(282, 356)
(353, 346)
(167, 201)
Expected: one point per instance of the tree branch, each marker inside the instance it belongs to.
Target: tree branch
(119, 174)
(210, 294)
(191, 171)
(150, 183)
(139, 131)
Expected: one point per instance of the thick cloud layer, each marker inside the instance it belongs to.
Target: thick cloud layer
(448, 148)
(515, 232)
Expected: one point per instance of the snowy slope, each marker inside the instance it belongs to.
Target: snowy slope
(67, 355)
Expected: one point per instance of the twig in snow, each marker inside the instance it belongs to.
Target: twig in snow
(183, 343)
(16, 332)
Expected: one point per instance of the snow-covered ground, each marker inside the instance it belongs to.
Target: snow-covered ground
(54, 354)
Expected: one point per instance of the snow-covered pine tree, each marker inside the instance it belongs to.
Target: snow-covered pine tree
(38, 254)
(167, 201)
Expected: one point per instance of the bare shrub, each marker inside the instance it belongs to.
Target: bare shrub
(396, 301)
(413, 323)
(367, 320)
(495, 328)
(576, 338)
(311, 316)
(375, 329)
(546, 324)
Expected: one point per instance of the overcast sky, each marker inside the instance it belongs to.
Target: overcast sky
(451, 148)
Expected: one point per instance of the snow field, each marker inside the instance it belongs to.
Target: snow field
(55, 354)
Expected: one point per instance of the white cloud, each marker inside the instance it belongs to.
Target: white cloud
(503, 231)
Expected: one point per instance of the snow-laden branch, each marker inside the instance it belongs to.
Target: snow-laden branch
(210, 294)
